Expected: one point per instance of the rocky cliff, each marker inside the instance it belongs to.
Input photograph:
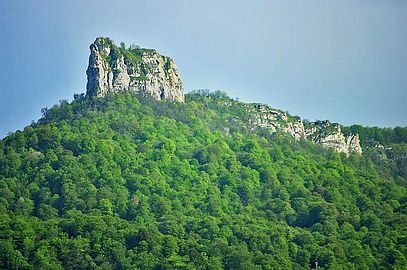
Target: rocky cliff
(330, 135)
(112, 69)
(327, 134)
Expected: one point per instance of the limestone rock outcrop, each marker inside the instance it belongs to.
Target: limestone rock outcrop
(112, 69)
(330, 135)
(325, 133)
(353, 142)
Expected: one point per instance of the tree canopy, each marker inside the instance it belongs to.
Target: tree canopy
(128, 182)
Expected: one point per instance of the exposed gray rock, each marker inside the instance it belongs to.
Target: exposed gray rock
(330, 135)
(335, 140)
(353, 143)
(327, 134)
(296, 129)
(144, 71)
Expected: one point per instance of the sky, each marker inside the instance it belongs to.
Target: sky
(345, 61)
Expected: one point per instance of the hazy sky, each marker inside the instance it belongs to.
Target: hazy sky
(340, 60)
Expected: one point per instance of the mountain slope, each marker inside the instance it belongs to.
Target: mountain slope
(129, 182)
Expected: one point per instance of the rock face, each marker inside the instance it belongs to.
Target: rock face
(112, 69)
(327, 134)
(354, 143)
(330, 135)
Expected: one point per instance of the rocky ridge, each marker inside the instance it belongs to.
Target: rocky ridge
(325, 133)
(112, 69)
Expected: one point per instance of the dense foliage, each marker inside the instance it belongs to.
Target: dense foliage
(375, 135)
(127, 182)
(386, 146)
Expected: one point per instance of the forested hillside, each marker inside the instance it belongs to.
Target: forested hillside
(128, 182)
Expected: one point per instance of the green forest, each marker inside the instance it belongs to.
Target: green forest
(128, 182)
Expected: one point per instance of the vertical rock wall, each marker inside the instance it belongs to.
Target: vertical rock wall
(144, 71)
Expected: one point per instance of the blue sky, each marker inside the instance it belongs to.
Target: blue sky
(345, 61)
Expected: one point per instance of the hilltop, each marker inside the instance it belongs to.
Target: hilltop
(114, 69)
(126, 178)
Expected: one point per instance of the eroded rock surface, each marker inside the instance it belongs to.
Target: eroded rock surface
(112, 69)
(327, 134)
